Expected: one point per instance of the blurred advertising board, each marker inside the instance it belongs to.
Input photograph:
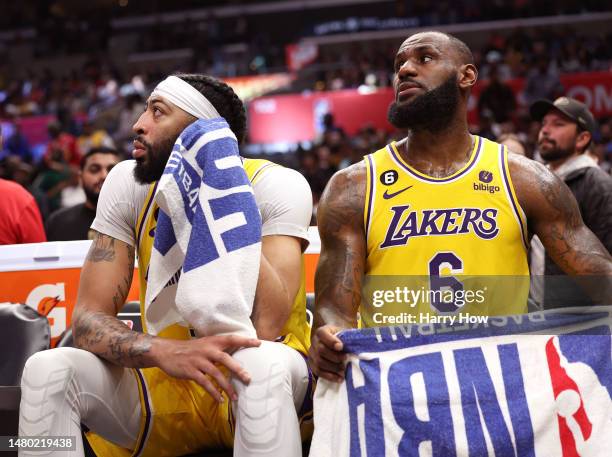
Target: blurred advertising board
(294, 118)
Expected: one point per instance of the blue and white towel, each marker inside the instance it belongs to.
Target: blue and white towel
(523, 386)
(205, 258)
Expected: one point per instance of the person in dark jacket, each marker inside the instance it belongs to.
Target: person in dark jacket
(565, 135)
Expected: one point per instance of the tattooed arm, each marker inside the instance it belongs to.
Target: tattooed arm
(340, 269)
(105, 281)
(553, 215)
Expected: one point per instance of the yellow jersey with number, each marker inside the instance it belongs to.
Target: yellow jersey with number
(443, 245)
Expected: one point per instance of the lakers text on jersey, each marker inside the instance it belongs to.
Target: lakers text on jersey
(441, 249)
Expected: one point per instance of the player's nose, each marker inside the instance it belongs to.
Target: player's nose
(139, 125)
(406, 69)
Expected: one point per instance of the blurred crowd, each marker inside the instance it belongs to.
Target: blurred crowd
(96, 107)
(63, 28)
(524, 53)
(537, 54)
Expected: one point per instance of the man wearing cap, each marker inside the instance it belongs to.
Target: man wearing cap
(566, 132)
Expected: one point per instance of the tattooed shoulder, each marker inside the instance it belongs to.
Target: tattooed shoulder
(343, 200)
(102, 248)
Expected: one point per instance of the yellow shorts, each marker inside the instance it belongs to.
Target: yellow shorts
(179, 417)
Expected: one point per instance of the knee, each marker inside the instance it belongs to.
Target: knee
(266, 403)
(53, 366)
(266, 367)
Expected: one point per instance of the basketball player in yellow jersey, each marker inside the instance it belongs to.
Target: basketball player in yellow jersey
(172, 394)
(438, 203)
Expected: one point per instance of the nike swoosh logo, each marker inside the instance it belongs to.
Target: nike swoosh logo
(387, 195)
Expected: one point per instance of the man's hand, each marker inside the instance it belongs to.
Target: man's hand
(326, 357)
(198, 359)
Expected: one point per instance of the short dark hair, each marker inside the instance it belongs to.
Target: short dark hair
(99, 150)
(462, 49)
(223, 98)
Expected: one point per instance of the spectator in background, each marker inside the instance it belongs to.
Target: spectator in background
(542, 82)
(329, 125)
(93, 138)
(73, 223)
(310, 169)
(62, 152)
(604, 147)
(513, 143)
(20, 220)
(17, 144)
(62, 148)
(325, 162)
(565, 135)
(22, 173)
(497, 99)
(72, 194)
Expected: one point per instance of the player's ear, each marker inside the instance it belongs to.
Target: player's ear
(468, 75)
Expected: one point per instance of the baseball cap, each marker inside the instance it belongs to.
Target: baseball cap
(572, 108)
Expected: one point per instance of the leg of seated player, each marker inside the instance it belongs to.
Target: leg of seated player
(266, 410)
(62, 388)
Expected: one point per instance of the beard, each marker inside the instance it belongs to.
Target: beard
(91, 195)
(431, 111)
(553, 151)
(150, 168)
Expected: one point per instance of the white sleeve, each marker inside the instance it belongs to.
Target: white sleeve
(284, 199)
(116, 213)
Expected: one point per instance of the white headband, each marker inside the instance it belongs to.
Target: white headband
(186, 97)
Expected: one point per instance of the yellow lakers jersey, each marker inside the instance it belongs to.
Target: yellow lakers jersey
(296, 332)
(443, 245)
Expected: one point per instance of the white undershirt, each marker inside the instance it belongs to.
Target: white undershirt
(283, 197)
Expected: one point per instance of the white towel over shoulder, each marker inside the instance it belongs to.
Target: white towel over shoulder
(205, 258)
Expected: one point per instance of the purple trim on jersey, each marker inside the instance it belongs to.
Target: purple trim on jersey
(433, 180)
(147, 425)
(143, 222)
(504, 152)
(260, 170)
(371, 197)
(307, 403)
(231, 420)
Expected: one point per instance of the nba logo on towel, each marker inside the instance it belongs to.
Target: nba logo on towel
(579, 389)
(540, 396)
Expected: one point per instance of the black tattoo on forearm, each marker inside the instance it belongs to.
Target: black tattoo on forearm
(102, 249)
(111, 339)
